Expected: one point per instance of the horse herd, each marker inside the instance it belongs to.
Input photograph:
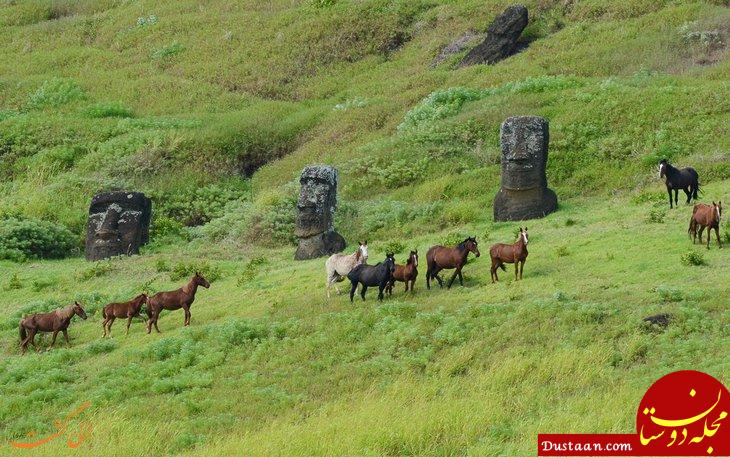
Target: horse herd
(354, 267)
(59, 320)
(385, 274)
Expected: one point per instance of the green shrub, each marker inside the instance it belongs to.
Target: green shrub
(162, 265)
(14, 283)
(192, 206)
(252, 268)
(656, 215)
(693, 258)
(185, 270)
(669, 294)
(22, 239)
(56, 92)
(101, 346)
(96, 270)
(167, 51)
(41, 284)
(562, 251)
(102, 110)
(393, 246)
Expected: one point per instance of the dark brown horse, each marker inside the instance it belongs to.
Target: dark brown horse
(442, 258)
(706, 216)
(128, 309)
(172, 300)
(686, 179)
(55, 321)
(510, 253)
(405, 273)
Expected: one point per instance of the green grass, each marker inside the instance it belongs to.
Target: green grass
(213, 108)
(272, 367)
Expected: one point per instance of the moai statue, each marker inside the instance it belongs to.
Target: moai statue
(316, 211)
(119, 223)
(524, 193)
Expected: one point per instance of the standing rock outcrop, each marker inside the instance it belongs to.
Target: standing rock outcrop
(501, 40)
(119, 223)
(316, 210)
(524, 193)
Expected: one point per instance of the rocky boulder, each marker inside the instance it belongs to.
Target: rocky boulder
(501, 39)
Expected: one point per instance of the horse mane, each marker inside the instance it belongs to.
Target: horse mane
(65, 312)
(358, 254)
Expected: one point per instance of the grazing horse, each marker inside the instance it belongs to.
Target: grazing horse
(442, 258)
(510, 253)
(338, 266)
(686, 179)
(172, 300)
(706, 216)
(55, 321)
(128, 309)
(379, 275)
(405, 273)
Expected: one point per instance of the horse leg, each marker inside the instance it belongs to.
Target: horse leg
(669, 190)
(352, 291)
(437, 277)
(688, 193)
(522, 267)
(65, 336)
(187, 316)
(456, 272)
(380, 291)
(109, 325)
(717, 235)
(517, 268)
(129, 322)
(676, 197)
(428, 278)
(55, 332)
(461, 278)
(363, 289)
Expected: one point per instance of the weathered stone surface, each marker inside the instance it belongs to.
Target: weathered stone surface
(118, 224)
(524, 193)
(454, 47)
(501, 39)
(315, 216)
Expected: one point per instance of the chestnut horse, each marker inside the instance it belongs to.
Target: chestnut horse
(442, 258)
(706, 216)
(510, 253)
(174, 299)
(128, 309)
(55, 321)
(405, 273)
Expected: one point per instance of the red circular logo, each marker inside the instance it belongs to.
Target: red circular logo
(685, 412)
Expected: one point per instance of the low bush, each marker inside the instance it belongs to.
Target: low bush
(252, 268)
(656, 215)
(693, 258)
(56, 92)
(22, 239)
(102, 110)
(185, 270)
(96, 270)
(14, 283)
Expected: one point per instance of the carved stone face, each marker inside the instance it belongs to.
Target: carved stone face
(524, 152)
(317, 200)
(118, 224)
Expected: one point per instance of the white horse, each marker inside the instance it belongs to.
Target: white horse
(339, 265)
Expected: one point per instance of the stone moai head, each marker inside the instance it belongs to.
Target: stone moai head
(524, 142)
(118, 224)
(317, 200)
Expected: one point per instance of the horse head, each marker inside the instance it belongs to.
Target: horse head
(663, 168)
(200, 280)
(363, 250)
(471, 245)
(523, 235)
(718, 210)
(413, 258)
(389, 262)
(79, 311)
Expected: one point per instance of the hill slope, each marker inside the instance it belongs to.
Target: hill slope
(213, 109)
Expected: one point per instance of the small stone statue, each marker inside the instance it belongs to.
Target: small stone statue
(316, 210)
(118, 224)
(524, 193)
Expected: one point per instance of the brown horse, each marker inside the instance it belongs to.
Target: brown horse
(405, 273)
(172, 300)
(442, 258)
(128, 309)
(705, 216)
(510, 253)
(55, 321)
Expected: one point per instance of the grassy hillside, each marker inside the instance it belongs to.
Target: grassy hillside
(212, 108)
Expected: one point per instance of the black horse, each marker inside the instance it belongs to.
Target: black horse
(372, 275)
(686, 179)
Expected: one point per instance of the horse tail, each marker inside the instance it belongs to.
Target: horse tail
(696, 188)
(501, 265)
(21, 331)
